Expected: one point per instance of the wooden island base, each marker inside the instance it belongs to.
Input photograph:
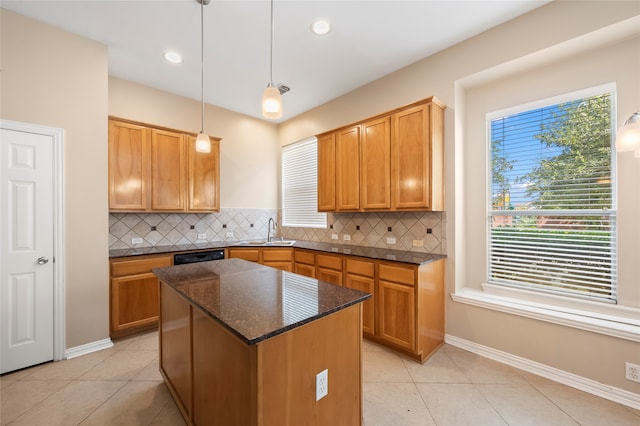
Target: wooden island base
(218, 379)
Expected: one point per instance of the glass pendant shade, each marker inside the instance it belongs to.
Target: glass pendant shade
(203, 144)
(628, 138)
(271, 102)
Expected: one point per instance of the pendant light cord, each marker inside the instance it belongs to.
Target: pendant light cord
(202, 61)
(271, 49)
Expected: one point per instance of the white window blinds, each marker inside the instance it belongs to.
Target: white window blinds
(300, 185)
(552, 218)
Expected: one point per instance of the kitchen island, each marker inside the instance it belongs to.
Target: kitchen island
(242, 343)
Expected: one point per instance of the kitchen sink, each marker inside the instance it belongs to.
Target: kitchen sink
(251, 243)
(281, 243)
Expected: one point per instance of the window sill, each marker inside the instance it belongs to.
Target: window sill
(611, 320)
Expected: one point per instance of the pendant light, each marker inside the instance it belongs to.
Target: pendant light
(271, 99)
(203, 143)
(628, 138)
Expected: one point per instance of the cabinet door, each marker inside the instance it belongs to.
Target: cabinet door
(327, 173)
(168, 171)
(204, 177)
(397, 314)
(134, 301)
(175, 346)
(304, 269)
(281, 258)
(329, 275)
(365, 284)
(348, 169)
(375, 165)
(128, 166)
(411, 158)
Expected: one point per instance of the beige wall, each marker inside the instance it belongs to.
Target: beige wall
(574, 44)
(53, 78)
(249, 151)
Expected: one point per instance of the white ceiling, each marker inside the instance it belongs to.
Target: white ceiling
(368, 40)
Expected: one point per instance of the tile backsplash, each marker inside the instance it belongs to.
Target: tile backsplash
(364, 229)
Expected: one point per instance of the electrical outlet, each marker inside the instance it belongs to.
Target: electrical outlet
(322, 384)
(418, 243)
(632, 372)
(136, 240)
(202, 236)
(391, 240)
(346, 237)
(229, 234)
(334, 236)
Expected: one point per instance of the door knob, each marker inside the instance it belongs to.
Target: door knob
(42, 260)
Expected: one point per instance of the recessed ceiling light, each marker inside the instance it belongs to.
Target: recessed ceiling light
(320, 27)
(173, 57)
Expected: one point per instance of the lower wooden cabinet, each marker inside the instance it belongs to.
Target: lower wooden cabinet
(250, 254)
(329, 268)
(410, 307)
(134, 294)
(280, 258)
(304, 263)
(360, 275)
(397, 314)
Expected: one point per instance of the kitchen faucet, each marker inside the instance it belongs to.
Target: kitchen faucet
(269, 227)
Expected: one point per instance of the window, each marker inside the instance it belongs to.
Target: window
(300, 185)
(552, 210)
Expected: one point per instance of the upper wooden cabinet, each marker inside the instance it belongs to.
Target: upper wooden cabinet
(417, 158)
(128, 166)
(398, 165)
(327, 172)
(348, 169)
(168, 170)
(375, 165)
(203, 174)
(158, 169)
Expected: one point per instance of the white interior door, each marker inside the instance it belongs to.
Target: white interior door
(26, 250)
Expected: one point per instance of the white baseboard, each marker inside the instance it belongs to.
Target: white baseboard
(88, 348)
(611, 393)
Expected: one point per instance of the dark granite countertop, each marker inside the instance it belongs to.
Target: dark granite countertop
(256, 302)
(411, 257)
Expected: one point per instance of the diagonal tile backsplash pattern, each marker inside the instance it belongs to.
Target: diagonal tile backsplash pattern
(364, 229)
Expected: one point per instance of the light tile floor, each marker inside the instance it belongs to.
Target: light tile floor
(122, 386)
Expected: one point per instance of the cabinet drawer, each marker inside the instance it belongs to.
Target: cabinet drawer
(330, 262)
(305, 257)
(360, 267)
(271, 255)
(397, 274)
(139, 266)
(252, 255)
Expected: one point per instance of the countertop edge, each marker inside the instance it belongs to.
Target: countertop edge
(390, 255)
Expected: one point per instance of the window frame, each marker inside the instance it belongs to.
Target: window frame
(556, 297)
